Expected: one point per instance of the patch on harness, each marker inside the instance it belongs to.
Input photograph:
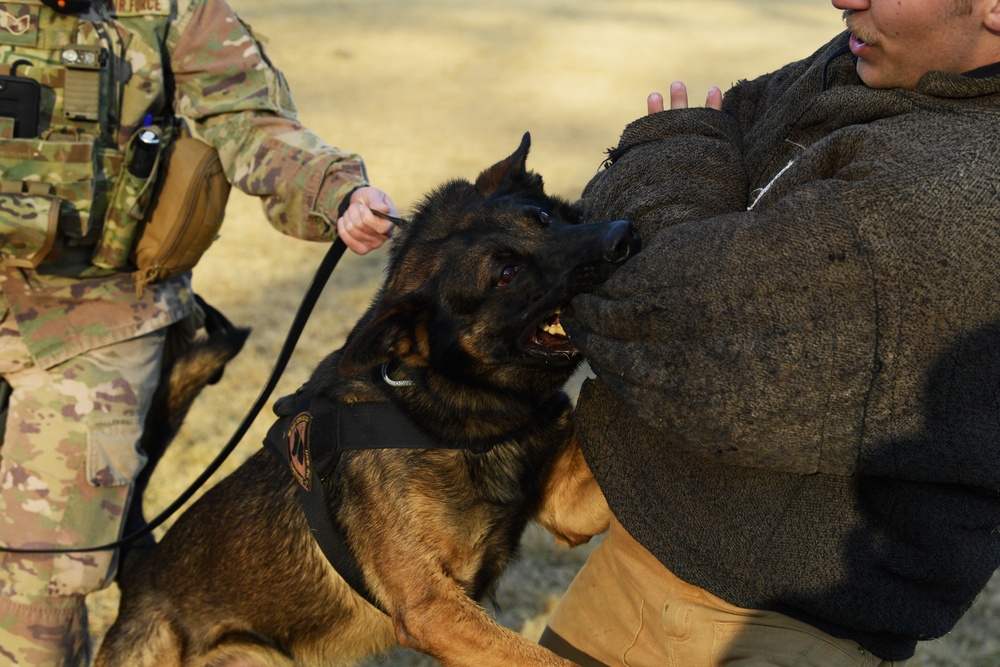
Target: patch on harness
(299, 456)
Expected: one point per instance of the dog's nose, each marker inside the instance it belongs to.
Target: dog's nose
(620, 242)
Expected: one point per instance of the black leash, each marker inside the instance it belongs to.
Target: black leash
(312, 294)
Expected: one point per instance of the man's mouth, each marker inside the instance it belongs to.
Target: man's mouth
(857, 44)
(548, 337)
(860, 35)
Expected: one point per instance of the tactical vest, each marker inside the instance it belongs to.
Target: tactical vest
(67, 194)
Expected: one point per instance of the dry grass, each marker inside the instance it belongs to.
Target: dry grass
(437, 89)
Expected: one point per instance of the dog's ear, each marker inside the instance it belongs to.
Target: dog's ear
(511, 173)
(395, 331)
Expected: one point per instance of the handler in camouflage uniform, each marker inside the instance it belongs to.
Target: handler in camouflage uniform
(79, 348)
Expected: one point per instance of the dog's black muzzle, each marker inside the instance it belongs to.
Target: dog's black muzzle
(621, 241)
(600, 247)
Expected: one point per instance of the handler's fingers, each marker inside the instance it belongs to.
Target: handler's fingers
(654, 103)
(361, 230)
(678, 95)
(355, 237)
(375, 198)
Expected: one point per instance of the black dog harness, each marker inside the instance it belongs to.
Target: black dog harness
(308, 438)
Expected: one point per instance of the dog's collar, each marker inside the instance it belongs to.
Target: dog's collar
(308, 439)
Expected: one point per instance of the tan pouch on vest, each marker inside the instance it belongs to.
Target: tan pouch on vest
(186, 213)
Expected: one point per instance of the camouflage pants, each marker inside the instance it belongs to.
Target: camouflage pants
(69, 455)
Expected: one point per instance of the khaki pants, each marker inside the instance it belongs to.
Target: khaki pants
(624, 609)
(70, 453)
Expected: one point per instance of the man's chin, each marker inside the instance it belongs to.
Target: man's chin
(877, 77)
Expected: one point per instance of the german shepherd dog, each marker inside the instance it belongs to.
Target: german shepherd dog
(463, 341)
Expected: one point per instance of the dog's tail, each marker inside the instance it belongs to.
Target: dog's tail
(196, 352)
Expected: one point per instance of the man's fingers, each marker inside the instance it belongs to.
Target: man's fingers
(679, 98)
(714, 99)
(654, 103)
(678, 95)
(362, 230)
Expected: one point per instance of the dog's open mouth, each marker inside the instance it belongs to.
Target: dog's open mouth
(548, 337)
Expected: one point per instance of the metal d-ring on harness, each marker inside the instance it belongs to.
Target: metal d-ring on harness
(394, 383)
(321, 277)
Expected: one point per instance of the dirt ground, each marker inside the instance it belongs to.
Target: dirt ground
(437, 89)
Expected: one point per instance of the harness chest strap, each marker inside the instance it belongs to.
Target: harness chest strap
(308, 439)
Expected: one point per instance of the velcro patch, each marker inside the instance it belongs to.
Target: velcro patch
(140, 7)
(18, 24)
(299, 455)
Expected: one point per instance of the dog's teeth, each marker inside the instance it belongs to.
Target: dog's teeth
(554, 329)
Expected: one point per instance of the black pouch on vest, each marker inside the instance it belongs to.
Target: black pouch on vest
(19, 99)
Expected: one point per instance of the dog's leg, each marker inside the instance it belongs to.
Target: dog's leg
(146, 638)
(458, 632)
(573, 507)
(438, 618)
(147, 642)
(243, 655)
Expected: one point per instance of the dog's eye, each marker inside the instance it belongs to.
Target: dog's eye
(543, 217)
(506, 276)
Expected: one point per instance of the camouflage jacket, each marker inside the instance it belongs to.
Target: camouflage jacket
(104, 75)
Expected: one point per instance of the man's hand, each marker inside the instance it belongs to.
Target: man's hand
(679, 98)
(362, 230)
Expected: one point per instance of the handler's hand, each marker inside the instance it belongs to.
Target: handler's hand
(362, 230)
(679, 98)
